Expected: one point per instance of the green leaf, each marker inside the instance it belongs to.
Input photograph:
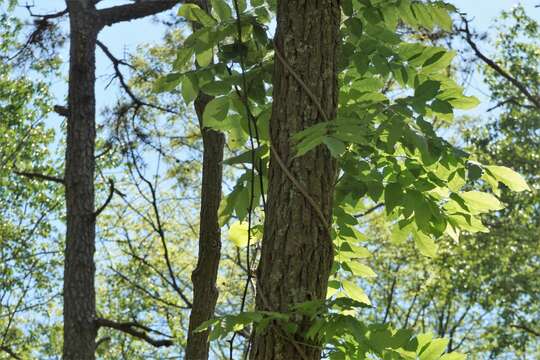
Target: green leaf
(190, 88)
(194, 13)
(427, 90)
(393, 196)
(422, 14)
(204, 57)
(481, 202)
(183, 57)
(222, 9)
(355, 26)
(216, 88)
(509, 177)
(400, 235)
(425, 244)
(441, 17)
(361, 270)
(355, 292)
(347, 7)
(438, 62)
(216, 111)
(434, 350)
(464, 102)
(333, 288)
(167, 83)
(336, 147)
(238, 234)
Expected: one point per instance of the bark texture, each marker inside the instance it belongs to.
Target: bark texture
(297, 251)
(80, 326)
(204, 277)
(79, 293)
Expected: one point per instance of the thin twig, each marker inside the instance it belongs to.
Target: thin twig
(120, 76)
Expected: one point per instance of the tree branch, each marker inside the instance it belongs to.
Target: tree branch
(108, 200)
(33, 175)
(136, 330)
(61, 110)
(526, 329)
(118, 74)
(369, 211)
(140, 9)
(498, 69)
(10, 352)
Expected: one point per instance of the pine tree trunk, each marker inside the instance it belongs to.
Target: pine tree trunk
(79, 294)
(205, 293)
(297, 251)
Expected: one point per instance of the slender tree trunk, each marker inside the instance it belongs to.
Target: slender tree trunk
(80, 326)
(79, 293)
(205, 293)
(297, 251)
(204, 277)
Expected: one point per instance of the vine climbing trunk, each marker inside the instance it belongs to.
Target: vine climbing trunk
(297, 250)
(80, 329)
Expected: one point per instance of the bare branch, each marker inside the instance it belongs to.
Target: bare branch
(118, 74)
(109, 198)
(61, 110)
(369, 211)
(496, 67)
(34, 175)
(136, 330)
(46, 16)
(138, 10)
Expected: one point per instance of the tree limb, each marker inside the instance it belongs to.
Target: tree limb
(10, 353)
(496, 67)
(136, 330)
(108, 200)
(34, 175)
(61, 110)
(526, 329)
(140, 9)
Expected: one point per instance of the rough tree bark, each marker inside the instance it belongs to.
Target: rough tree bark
(80, 329)
(297, 251)
(80, 326)
(205, 292)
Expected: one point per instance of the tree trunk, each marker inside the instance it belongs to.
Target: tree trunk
(80, 327)
(79, 294)
(297, 250)
(204, 277)
(205, 292)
